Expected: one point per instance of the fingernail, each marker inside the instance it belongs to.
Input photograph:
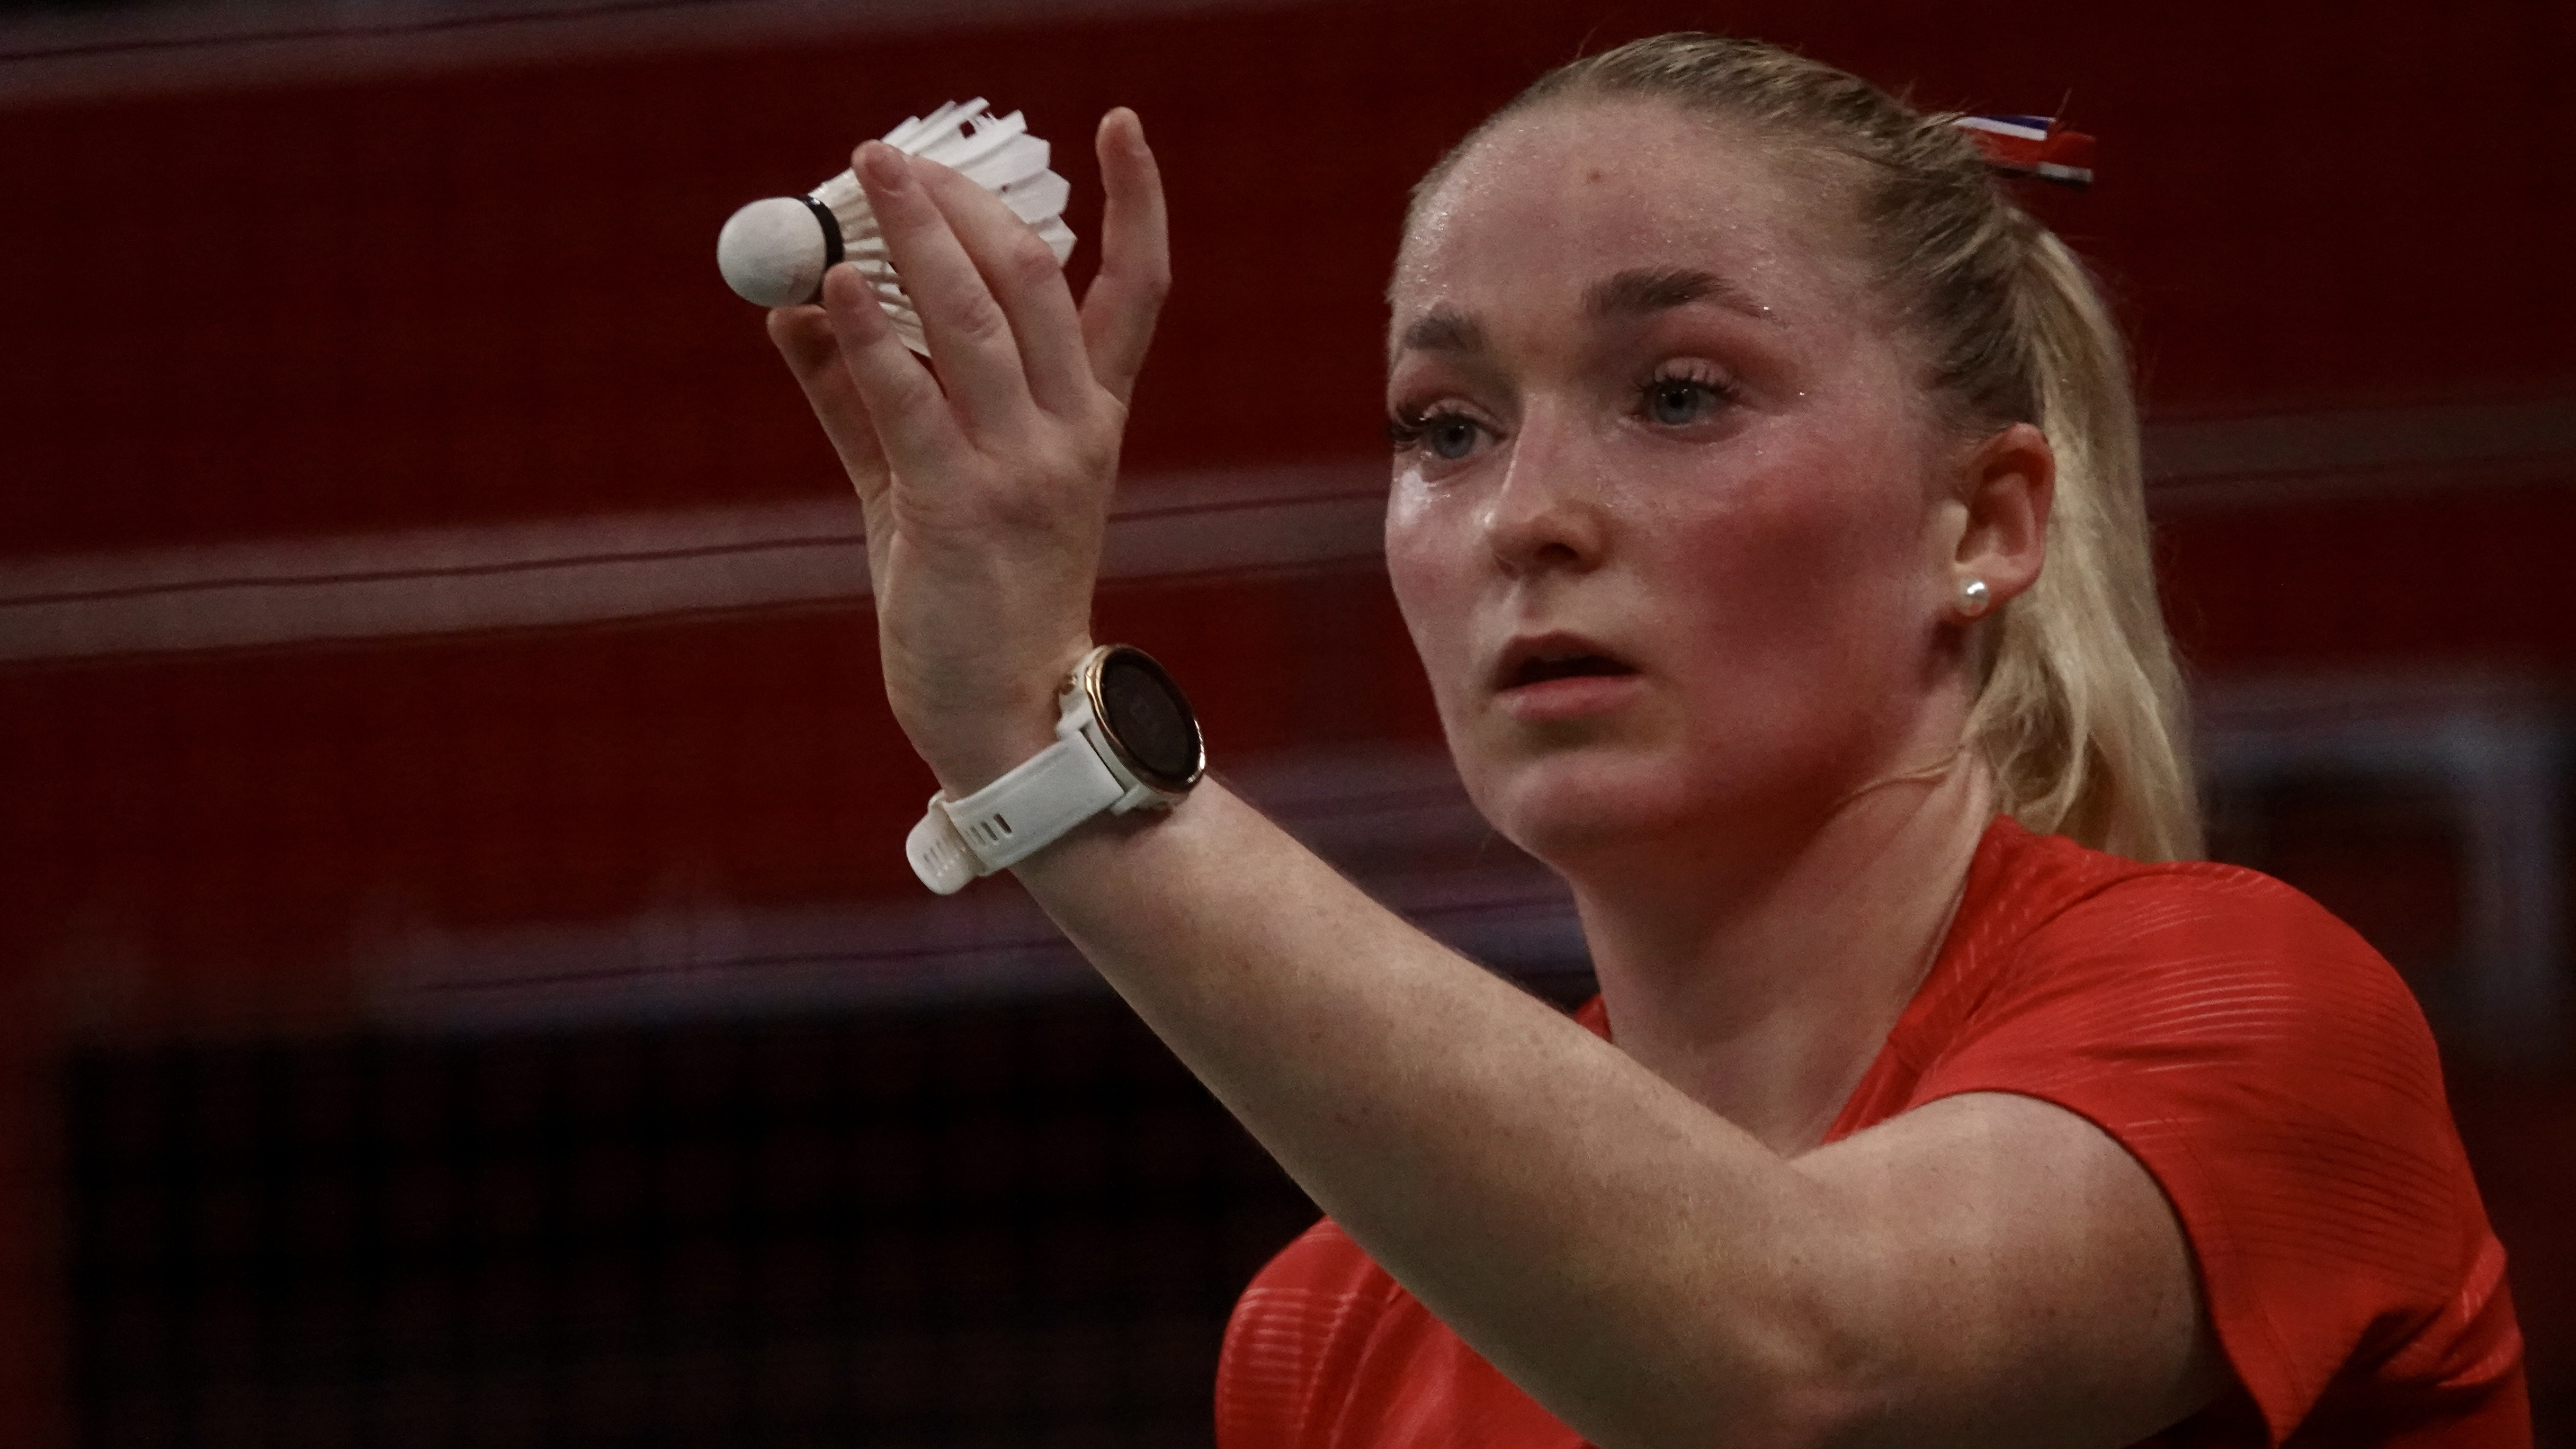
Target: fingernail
(883, 165)
(856, 306)
(823, 290)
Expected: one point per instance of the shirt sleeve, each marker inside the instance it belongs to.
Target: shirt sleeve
(2276, 1078)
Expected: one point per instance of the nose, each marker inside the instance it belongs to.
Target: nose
(1546, 513)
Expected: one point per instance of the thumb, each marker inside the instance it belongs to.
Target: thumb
(1119, 309)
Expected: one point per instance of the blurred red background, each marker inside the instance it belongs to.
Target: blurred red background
(287, 309)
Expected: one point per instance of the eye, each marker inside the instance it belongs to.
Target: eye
(1448, 436)
(1677, 402)
(1682, 392)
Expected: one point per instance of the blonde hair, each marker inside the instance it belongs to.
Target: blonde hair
(2080, 710)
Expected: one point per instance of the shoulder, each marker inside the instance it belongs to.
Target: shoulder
(1327, 1351)
(2232, 965)
(2151, 996)
(1293, 1336)
(2274, 1075)
(1321, 1273)
(2046, 918)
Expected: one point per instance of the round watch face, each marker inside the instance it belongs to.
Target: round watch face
(1145, 716)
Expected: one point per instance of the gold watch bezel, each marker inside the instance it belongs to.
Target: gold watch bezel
(1086, 677)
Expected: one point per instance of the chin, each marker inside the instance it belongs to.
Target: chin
(1570, 807)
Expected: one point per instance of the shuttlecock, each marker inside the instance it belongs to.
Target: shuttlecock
(774, 252)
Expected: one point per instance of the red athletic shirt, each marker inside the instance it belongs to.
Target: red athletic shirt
(2264, 1064)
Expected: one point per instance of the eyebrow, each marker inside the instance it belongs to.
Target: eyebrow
(1638, 292)
(1443, 329)
(1659, 289)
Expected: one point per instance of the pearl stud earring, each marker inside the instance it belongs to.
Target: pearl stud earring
(1973, 598)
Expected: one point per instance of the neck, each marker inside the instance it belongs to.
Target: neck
(1766, 993)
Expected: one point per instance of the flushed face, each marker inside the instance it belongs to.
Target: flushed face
(1665, 482)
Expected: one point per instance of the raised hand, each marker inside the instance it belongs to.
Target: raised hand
(985, 477)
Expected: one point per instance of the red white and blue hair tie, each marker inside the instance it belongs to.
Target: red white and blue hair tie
(2032, 146)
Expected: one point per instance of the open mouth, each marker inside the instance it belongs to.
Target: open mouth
(1540, 671)
(1540, 664)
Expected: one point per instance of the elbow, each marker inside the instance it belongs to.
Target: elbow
(1834, 1375)
(1784, 1348)
(1816, 1387)
(1820, 1405)
(1787, 1404)
(1827, 1412)
(1784, 1384)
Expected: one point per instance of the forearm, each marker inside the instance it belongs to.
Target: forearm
(1594, 1232)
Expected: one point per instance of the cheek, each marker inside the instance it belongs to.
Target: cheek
(1431, 573)
(1803, 583)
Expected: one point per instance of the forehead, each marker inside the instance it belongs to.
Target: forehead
(1550, 201)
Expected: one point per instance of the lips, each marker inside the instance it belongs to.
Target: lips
(1547, 658)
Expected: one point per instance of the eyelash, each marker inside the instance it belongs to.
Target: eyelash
(1696, 374)
(1406, 429)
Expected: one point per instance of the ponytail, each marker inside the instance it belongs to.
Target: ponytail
(2081, 715)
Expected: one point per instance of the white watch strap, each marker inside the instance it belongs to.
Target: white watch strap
(1014, 817)
(938, 853)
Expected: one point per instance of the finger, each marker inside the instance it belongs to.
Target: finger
(803, 336)
(971, 345)
(1023, 275)
(911, 418)
(1118, 311)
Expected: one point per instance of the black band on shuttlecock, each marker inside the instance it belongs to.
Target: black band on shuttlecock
(831, 231)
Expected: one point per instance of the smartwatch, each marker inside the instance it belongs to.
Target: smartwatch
(1125, 739)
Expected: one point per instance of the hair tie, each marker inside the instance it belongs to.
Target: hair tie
(2031, 146)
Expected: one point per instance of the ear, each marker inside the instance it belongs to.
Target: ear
(2002, 496)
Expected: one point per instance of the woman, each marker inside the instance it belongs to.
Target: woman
(1736, 412)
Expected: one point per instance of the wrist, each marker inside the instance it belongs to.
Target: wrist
(1124, 739)
(971, 740)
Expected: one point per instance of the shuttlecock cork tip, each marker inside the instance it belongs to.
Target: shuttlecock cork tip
(774, 251)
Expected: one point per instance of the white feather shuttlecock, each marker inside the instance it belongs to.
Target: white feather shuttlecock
(774, 252)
